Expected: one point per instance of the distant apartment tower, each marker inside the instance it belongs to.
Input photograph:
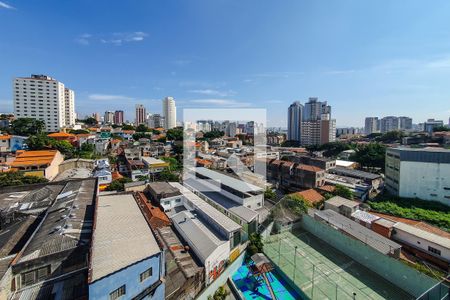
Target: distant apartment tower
(405, 123)
(69, 103)
(430, 124)
(141, 114)
(118, 117)
(96, 116)
(419, 173)
(389, 123)
(371, 125)
(317, 127)
(295, 116)
(43, 98)
(155, 121)
(109, 117)
(169, 113)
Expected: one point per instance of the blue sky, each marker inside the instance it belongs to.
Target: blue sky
(366, 58)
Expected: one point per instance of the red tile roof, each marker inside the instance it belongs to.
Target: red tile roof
(311, 195)
(154, 215)
(309, 168)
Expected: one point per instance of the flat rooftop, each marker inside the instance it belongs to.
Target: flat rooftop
(431, 154)
(234, 183)
(164, 189)
(121, 237)
(203, 241)
(354, 173)
(425, 235)
(223, 221)
(241, 211)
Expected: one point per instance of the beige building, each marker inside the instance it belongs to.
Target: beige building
(40, 163)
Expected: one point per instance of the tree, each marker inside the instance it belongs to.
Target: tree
(27, 126)
(296, 203)
(269, 194)
(255, 244)
(167, 175)
(87, 147)
(370, 156)
(142, 128)
(441, 128)
(290, 143)
(343, 191)
(213, 134)
(173, 163)
(18, 178)
(118, 184)
(66, 148)
(175, 134)
(140, 135)
(391, 136)
(78, 131)
(90, 121)
(38, 142)
(128, 127)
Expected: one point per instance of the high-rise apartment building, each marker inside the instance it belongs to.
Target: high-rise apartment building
(405, 123)
(155, 121)
(169, 113)
(371, 125)
(317, 127)
(118, 117)
(69, 103)
(141, 114)
(96, 116)
(430, 124)
(109, 117)
(295, 116)
(43, 98)
(389, 123)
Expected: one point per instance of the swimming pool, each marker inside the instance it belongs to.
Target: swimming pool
(254, 290)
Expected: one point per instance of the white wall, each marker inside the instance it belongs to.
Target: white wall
(420, 243)
(171, 202)
(425, 181)
(220, 255)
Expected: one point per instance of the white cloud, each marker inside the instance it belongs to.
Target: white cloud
(116, 38)
(212, 92)
(6, 5)
(221, 102)
(119, 38)
(106, 97)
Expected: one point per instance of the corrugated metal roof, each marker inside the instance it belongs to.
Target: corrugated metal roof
(425, 235)
(121, 237)
(364, 216)
(339, 201)
(200, 238)
(234, 183)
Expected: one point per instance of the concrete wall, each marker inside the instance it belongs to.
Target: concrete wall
(419, 243)
(387, 267)
(425, 181)
(52, 170)
(222, 279)
(130, 277)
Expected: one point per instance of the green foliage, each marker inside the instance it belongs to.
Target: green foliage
(66, 148)
(18, 178)
(290, 144)
(118, 184)
(128, 127)
(331, 149)
(424, 269)
(296, 203)
(220, 294)
(167, 175)
(343, 191)
(173, 163)
(390, 137)
(38, 142)
(27, 126)
(213, 134)
(441, 128)
(255, 244)
(175, 134)
(370, 156)
(89, 121)
(269, 194)
(87, 147)
(142, 128)
(116, 136)
(431, 212)
(141, 135)
(78, 131)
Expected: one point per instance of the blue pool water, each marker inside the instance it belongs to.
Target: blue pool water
(253, 289)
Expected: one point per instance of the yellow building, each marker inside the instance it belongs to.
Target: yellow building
(41, 163)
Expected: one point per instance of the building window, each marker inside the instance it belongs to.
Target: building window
(146, 274)
(434, 250)
(116, 294)
(178, 200)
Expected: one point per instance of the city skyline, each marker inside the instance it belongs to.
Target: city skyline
(197, 56)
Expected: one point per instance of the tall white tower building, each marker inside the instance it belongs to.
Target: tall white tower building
(169, 113)
(43, 98)
(69, 103)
